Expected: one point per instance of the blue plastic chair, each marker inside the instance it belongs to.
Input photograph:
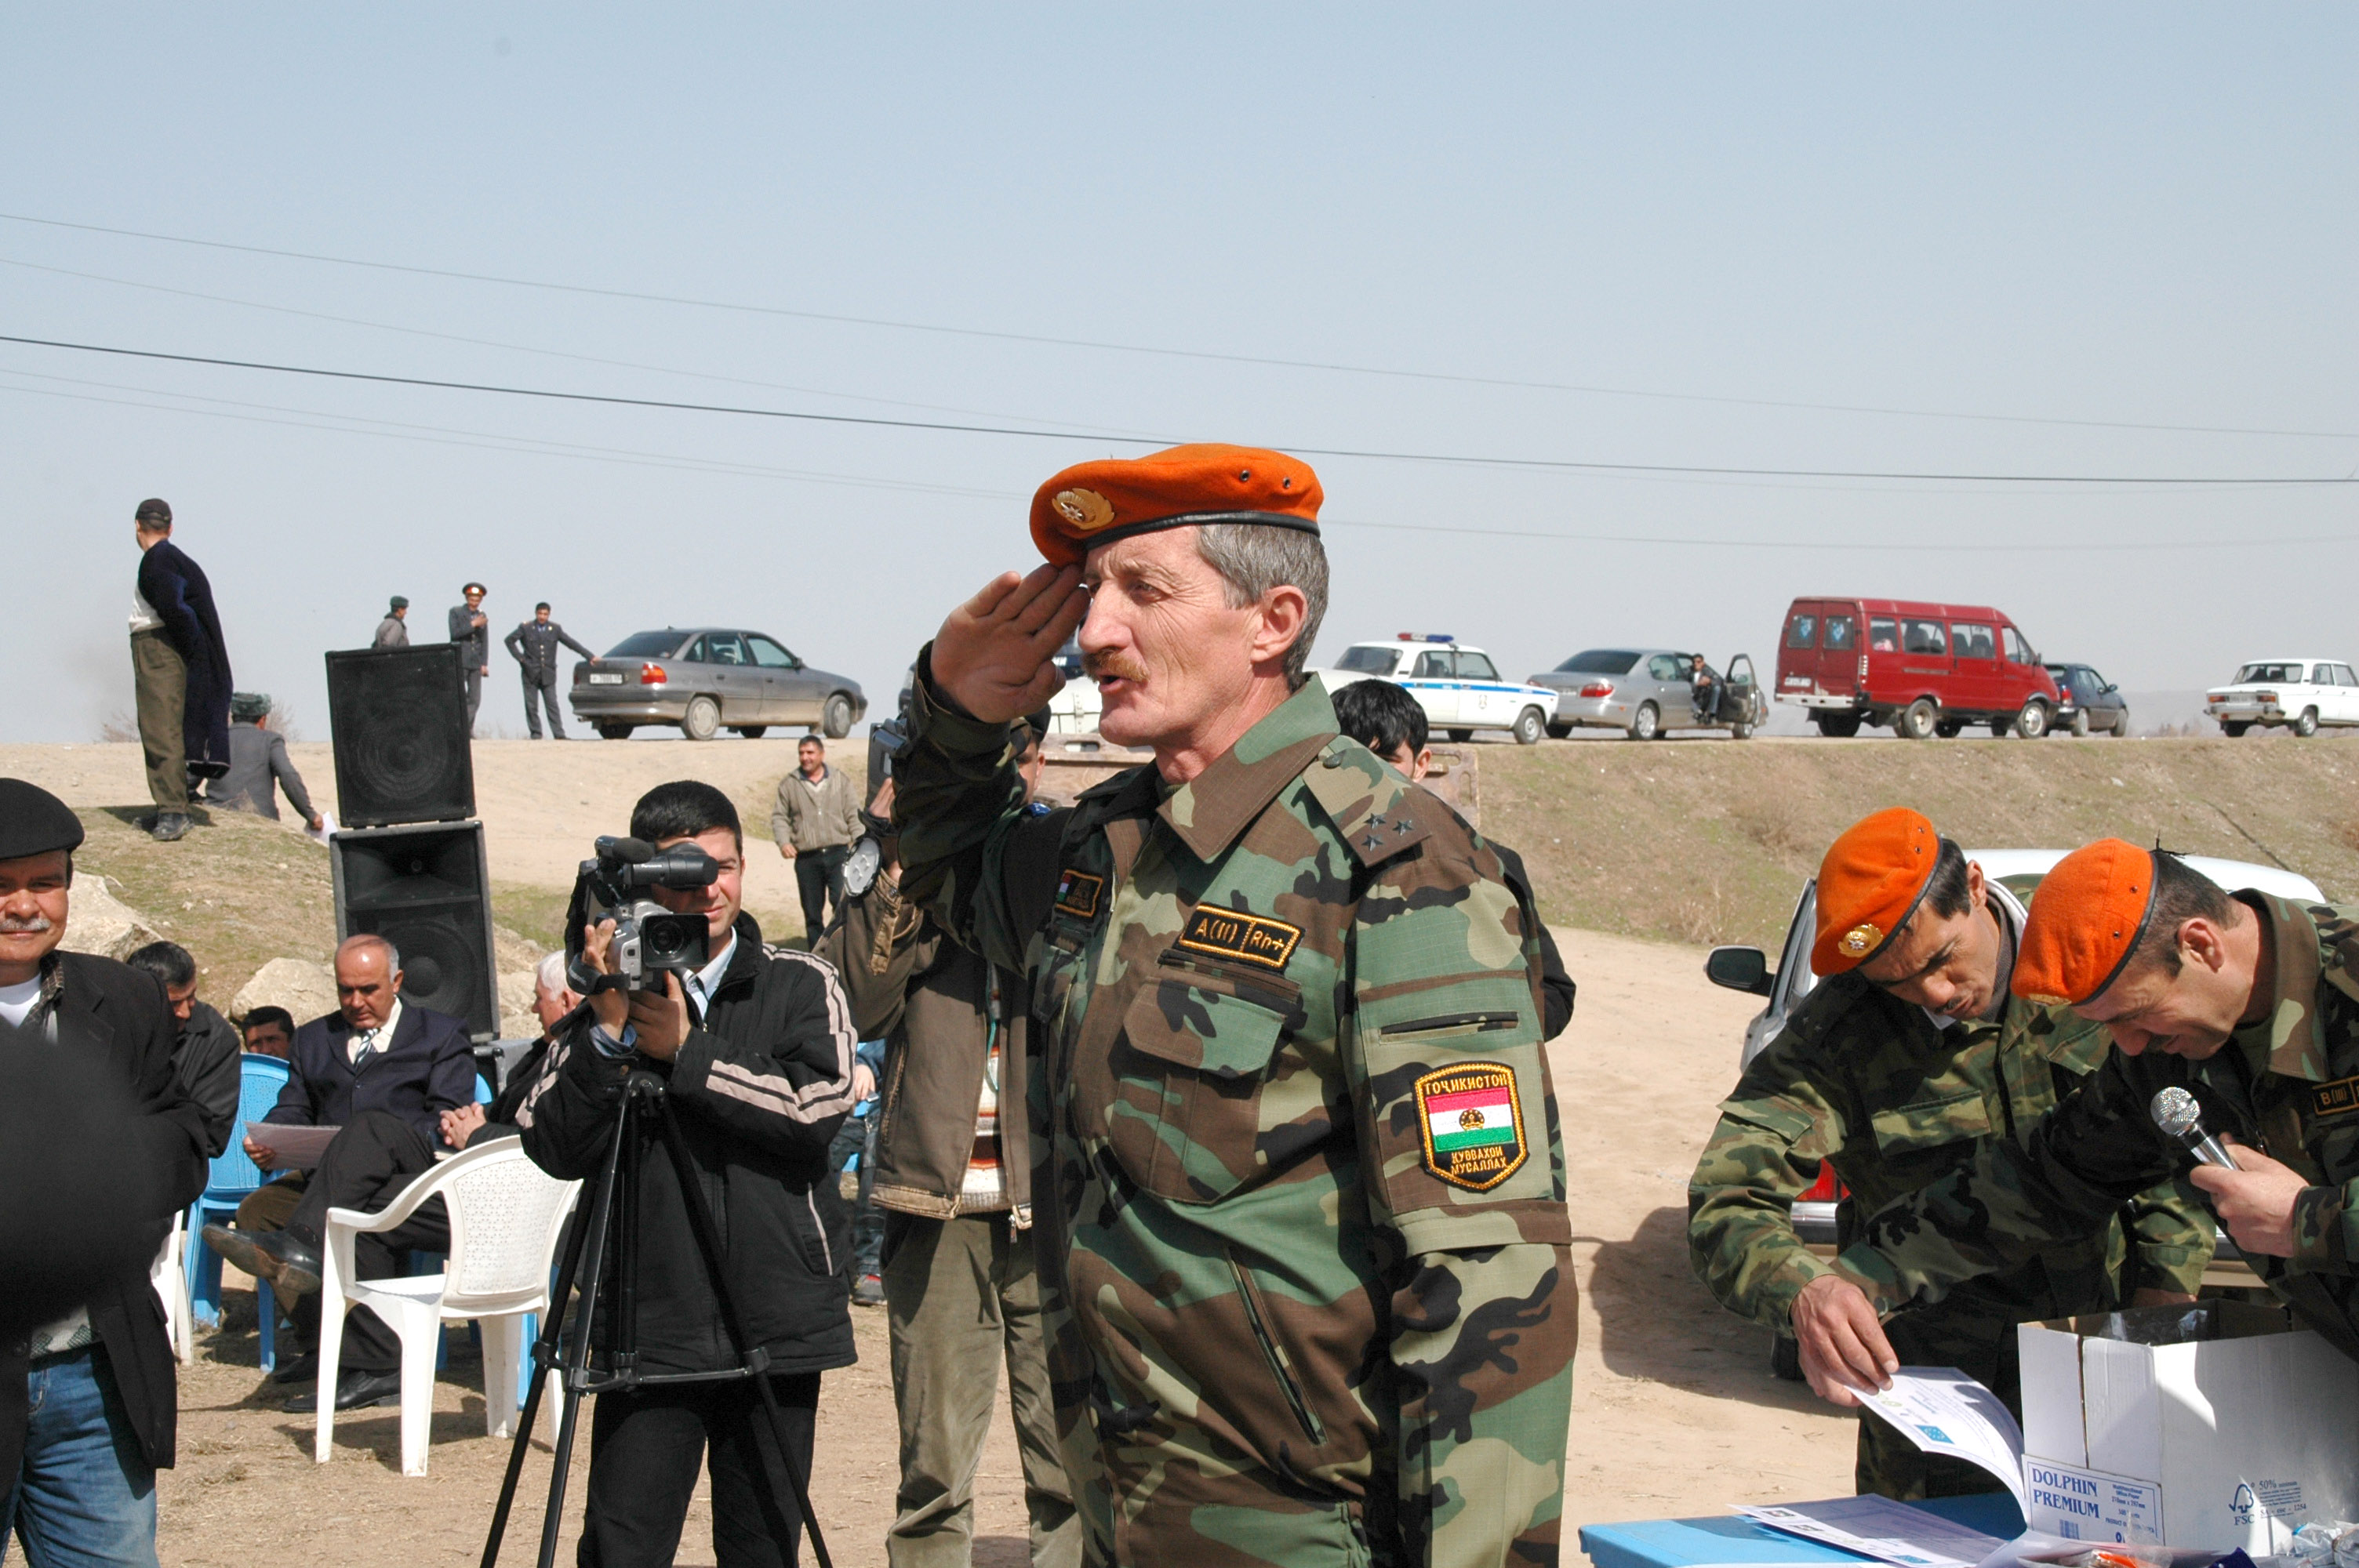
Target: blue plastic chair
(233, 1179)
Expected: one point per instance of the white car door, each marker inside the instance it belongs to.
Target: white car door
(2344, 693)
(1434, 683)
(1480, 698)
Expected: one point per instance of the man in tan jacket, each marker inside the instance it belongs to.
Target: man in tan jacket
(953, 1173)
(816, 821)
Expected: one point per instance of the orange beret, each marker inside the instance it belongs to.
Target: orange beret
(2085, 924)
(1869, 884)
(1113, 498)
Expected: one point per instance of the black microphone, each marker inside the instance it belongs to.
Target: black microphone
(2181, 1119)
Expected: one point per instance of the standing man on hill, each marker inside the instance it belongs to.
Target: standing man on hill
(88, 1401)
(179, 668)
(393, 631)
(1911, 1061)
(1301, 1203)
(535, 644)
(470, 631)
(816, 821)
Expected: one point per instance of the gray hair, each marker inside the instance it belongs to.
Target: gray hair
(371, 939)
(1253, 559)
(550, 974)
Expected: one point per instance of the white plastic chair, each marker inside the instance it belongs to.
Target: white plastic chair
(169, 1275)
(506, 1218)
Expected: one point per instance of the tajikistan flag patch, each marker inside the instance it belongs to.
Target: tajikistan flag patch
(1474, 1124)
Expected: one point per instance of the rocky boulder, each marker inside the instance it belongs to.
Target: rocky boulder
(97, 922)
(303, 987)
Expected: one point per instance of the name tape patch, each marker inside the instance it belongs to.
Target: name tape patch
(1078, 893)
(1254, 939)
(2340, 1098)
(1473, 1124)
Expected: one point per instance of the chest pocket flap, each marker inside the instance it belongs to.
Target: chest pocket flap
(1944, 1115)
(1186, 1096)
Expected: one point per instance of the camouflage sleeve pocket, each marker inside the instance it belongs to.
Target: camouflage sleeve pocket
(1933, 1122)
(1189, 1084)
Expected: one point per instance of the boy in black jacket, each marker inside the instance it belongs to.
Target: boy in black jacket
(757, 1051)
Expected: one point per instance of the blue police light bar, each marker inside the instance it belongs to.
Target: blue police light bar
(1429, 637)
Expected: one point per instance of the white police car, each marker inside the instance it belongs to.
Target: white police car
(1459, 686)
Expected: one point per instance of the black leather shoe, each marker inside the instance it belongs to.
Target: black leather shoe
(303, 1370)
(294, 1265)
(169, 825)
(237, 1248)
(354, 1391)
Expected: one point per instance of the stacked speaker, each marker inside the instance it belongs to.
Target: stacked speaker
(408, 865)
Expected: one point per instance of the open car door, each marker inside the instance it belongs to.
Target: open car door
(1741, 703)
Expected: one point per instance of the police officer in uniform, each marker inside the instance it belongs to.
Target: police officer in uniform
(534, 644)
(1905, 1063)
(2248, 1001)
(1300, 1195)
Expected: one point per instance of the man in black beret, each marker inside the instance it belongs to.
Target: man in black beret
(88, 1401)
(179, 667)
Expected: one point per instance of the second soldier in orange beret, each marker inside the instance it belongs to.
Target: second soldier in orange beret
(2246, 1002)
(1905, 1063)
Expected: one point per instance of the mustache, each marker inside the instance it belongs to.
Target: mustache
(1108, 663)
(18, 926)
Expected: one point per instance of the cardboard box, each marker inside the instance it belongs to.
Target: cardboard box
(2217, 1426)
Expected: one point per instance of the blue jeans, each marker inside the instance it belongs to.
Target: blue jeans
(858, 1135)
(84, 1496)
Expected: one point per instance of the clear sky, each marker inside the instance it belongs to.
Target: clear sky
(1688, 223)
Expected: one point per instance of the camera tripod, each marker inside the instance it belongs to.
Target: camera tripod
(605, 1254)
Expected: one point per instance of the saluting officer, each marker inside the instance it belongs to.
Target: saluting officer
(534, 644)
(1909, 1062)
(1301, 1194)
(2248, 1001)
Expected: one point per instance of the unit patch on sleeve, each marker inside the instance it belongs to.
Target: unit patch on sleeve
(2340, 1098)
(1077, 893)
(1474, 1124)
(1254, 939)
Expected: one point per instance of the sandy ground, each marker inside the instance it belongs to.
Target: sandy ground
(1673, 1409)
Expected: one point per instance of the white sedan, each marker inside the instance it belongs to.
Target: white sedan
(1459, 686)
(2298, 694)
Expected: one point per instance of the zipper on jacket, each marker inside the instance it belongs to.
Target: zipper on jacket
(820, 1227)
(1258, 1320)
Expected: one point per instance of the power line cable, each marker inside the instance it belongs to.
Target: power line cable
(1559, 464)
(1103, 346)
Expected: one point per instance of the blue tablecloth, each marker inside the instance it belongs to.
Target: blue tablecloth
(1676, 1543)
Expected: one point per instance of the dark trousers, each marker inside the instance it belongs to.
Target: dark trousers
(645, 1449)
(819, 877)
(546, 692)
(858, 1135)
(159, 691)
(471, 679)
(366, 1167)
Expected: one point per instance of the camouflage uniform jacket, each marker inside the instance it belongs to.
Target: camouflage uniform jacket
(2287, 1085)
(1290, 1321)
(1868, 1083)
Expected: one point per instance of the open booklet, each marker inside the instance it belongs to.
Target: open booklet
(1943, 1411)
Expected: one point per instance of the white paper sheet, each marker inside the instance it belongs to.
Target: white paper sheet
(1882, 1528)
(292, 1148)
(1943, 1411)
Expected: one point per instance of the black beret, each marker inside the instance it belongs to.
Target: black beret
(153, 511)
(34, 822)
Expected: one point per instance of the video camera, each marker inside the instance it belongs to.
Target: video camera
(648, 938)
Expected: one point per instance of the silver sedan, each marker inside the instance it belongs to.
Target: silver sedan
(1644, 693)
(705, 678)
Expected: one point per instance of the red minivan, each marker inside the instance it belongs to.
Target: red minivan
(1924, 669)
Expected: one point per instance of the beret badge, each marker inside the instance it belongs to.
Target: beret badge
(1861, 939)
(1085, 509)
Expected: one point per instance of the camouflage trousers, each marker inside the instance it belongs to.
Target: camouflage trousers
(1188, 1498)
(1985, 1349)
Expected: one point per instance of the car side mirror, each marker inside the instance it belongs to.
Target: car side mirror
(1740, 969)
(2110, 691)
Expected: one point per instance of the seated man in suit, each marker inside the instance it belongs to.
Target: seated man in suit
(376, 1053)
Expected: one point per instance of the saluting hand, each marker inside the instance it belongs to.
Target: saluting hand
(994, 654)
(1844, 1352)
(2255, 1201)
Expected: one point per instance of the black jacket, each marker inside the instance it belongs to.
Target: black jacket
(176, 590)
(430, 1068)
(114, 1012)
(1556, 987)
(205, 1059)
(759, 1087)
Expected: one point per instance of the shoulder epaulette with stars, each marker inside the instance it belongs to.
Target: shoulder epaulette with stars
(1376, 811)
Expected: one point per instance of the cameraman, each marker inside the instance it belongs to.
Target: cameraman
(756, 1049)
(953, 1171)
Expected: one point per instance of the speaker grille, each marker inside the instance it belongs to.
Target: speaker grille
(400, 721)
(423, 890)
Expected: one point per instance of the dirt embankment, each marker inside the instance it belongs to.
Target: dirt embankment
(1709, 840)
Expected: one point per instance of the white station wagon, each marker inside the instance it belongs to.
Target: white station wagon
(1459, 686)
(2298, 694)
